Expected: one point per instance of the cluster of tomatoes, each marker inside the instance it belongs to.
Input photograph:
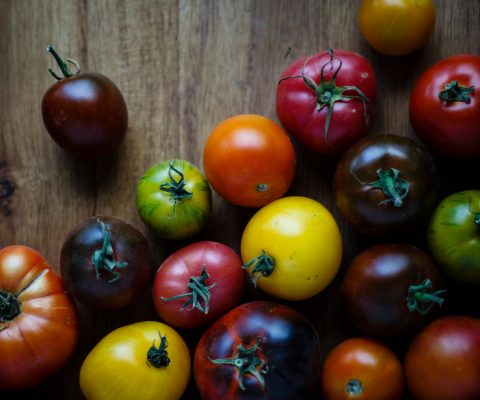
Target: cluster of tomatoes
(385, 186)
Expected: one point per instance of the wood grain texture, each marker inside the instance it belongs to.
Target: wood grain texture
(183, 66)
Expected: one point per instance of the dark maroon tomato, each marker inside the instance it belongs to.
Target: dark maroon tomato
(391, 290)
(105, 263)
(85, 113)
(385, 185)
(259, 350)
(197, 284)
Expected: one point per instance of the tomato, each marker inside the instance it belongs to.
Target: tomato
(38, 320)
(292, 248)
(146, 360)
(362, 368)
(326, 100)
(443, 361)
(84, 112)
(197, 284)
(386, 185)
(444, 106)
(259, 350)
(397, 27)
(174, 199)
(454, 235)
(105, 263)
(249, 160)
(390, 290)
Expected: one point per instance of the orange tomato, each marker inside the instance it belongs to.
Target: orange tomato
(396, 27)
(249, 160)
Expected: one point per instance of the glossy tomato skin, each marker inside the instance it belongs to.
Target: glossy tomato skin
(454, 235)
(118, 367)
(110, 289)
(174, 199)
(376, 287)
(443, 361)
(225, 284)
(296, 102)
(398, 27)
(249, 160)
(86, 115)
(288, 352)
(303, 241)
(38, 339)
(364, 369)
(451, 128)
(365, 206)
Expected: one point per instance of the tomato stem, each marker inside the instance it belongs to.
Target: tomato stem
(263, 265)
(354, 387)
(176, 188)
(246, 361)
(62, 64)
(327, 92)
(454, 92)
(10, 306)
(198, 291)
(158, 356)
(103, 258)
(420, 300)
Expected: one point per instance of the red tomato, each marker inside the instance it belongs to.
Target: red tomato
(443, 361)
(326, 100)
(249, 160)
(197, 284)
(364, 369)
(38, 320)
(444, 108)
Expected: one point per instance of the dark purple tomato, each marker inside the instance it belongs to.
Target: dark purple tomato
(386, 185)
(84, 112)
(391, 290)
(259, 350)
(105, 263)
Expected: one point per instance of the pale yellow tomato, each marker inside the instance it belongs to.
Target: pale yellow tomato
(292, 248)
(118, 368)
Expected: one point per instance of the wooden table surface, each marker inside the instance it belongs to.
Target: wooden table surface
(183, 66)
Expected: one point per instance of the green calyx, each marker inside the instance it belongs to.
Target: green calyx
(158, 356)
(246, 362)
(454, 92)
(327, 92)
(102, 259)
(62, 65)
(10, 306)
(263, 265)
(419, 299)
(199, 292)
(354, 388)
(176, 186)
(392, 185)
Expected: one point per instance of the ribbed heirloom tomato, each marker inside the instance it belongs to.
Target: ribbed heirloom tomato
(38, 320)
(249, 160)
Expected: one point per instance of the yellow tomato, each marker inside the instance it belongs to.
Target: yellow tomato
(117, 368)
(292, 248)
(396, 27)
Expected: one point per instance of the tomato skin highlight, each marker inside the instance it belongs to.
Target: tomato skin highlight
(249, 160)
(42, 336)
(451, 128)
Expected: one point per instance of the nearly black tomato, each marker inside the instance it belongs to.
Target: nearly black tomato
(84, 112)
(259, 350)
(105, 263)
(385, 185)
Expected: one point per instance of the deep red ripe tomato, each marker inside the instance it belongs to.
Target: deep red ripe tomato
(249, 160)
(385, 185)
(105, 263)
(85, 112)
(364, 369)
(390, 290)
(444, 106)
(443, 361)
(197, 284)
(259, 350)
(38, 320)
(326, 100)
